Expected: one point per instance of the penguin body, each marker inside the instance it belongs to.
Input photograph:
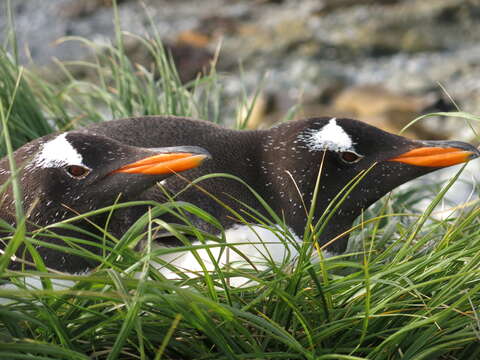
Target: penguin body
(281, 165)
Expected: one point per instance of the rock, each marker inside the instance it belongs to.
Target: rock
(83, 8)
(215, 26)
(329, 6)
(392, 111)
(408, 26)
(193, 38)
(190, 60)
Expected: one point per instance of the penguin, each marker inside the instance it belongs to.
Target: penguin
(66, 174)
(282, 164)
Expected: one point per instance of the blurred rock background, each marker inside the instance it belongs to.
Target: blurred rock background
(381, 61)
(377, 60)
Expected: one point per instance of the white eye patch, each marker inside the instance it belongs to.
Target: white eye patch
(331, 137)
(57, 152)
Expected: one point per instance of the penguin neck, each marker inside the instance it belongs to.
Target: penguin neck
(289, 179)
(291, 196)
(284, 179)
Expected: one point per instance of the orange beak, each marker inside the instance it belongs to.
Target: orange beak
(435, 156)
(163, 164)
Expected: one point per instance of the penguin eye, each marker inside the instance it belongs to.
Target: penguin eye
(350, 157)
(77, 171)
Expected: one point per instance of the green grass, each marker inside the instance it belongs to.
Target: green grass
(409, 290)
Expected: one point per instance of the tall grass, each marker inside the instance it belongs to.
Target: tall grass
(409, 289)
(115, 88)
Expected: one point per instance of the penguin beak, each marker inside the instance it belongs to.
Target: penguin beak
(170, 160)
(438, 154)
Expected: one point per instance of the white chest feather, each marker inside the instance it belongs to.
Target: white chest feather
(247, 248)
(31, 283)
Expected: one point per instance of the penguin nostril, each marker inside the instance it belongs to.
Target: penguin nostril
(77, 171)
(350, 157)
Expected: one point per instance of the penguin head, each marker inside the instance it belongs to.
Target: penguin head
(75, 172)
(341, 150)
(64, 175)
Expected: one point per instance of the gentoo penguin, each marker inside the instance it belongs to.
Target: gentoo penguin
(67, 174)
(281, 164)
